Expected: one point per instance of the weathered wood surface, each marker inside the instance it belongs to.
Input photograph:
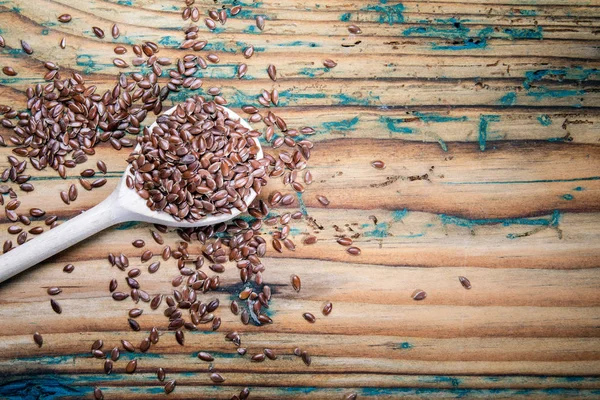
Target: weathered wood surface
(487, 115)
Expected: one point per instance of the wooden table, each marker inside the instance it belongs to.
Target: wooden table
(487, 114)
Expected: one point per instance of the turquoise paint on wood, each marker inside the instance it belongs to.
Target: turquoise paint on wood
(544, 120)
(484, 121)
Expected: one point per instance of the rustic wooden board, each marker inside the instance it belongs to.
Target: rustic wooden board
(487, 114)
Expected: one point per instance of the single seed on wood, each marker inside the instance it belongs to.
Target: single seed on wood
(112, 286)
(37, 212)
(248, 51)
(378, 164)
(115, 354)
(98, 32)
(210, 24)
(170, 386)
(72, 193)
(64, 18)
(323, 200)
(465, 282)
(329, 63)
(63, 43)
(119, 296)
(242, 69)
(145, 345)
(354, 29)
(351, 396)
(127, 346)
(296, 283)
(108, 366)
(69, 268)
(98, 353)
(98, 395)
(272, 71)
(260, 22)
(152, 268)
(56, 307)
(297, 352)
(419, 294)
(344, 241)
(309, 317)
(179, 336)
(306, 358)
(134, 324)
(204, 356)
(53, 291)
(327, 308)
(115, 31)
(270, 354)
(146, 255)
(235, 10)
(258, 357)
(9, 71)
(37, 338)
(310, 240)
(131, 366)
(139, 243)
(26, 47)
(135, 312)
(355, 251)
(217, 378)
(120, 63)
(160, 374)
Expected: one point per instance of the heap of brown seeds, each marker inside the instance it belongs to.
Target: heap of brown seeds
(197, 161)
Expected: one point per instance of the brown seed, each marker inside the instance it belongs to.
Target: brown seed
(9, 71)
(26, 47)
(258, 357)
(351, 396)
(134, 324)
(99, 182)
(329, 63)
(139, 243)
(135, 312)
(465, 282)
(85, 184)
(354, 29)
(170, 386)
(160, 374)
(270, 354)
(64, 197)
(98, 353)
(98, 395)
(115, 31)
(344, 241)
(98, 32)
(14, 229)
(204, 356)
(378, 164)
(64, 18)
(152, 268)
(306, 358)
(248, 51)
(309, 317)
(180, 337)
(296, 283)
(242, 69)
(145, 345)
(127, 346)
(213, 58)
(101, 166)
(355, 251)
(72, 193)
(260, 22)
(327, 308)
(146, 255)
(55, 306)
(210, 24)
(69, 268)
(108, 366)
(119, 296)
(272, 71)
(234, 307)
(217, 378)
(419, 294)
(131, 366)
(156, 300)
(115, 354)
(63, 43)
(112, 286)
(323, 200)
(2, 42)
(36, 212)
(37, 338)
(53, 291)
(120, 63)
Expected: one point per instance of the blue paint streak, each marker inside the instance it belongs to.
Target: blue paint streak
(380, 230)
(298, 43)
(341, 126)
(529, 13)
(484, 121)
(48, 388)
(301, 204)
(577, 73)
(390, 14)
(127, 225)
(313, 71)
(568, 197)
(544, 120)
(345, 17)
(471, 223)
(125, 2)
(435, 117)
(398, 215)
(524, 33)
(391, 124)
(87, 63)
(403, 346)
(579, 189)
(347, 100)
(169, 41)
(508, 99)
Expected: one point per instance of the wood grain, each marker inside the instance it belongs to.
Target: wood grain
(487, 115)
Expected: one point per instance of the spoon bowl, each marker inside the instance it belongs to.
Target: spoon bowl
(122, 205)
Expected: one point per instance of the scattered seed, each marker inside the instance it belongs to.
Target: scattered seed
(345, 241)
(309, 317)
(465, 282)
(63, 43)
(64, 18)
(131, 366)
(323, 200)
(272, 71)
(108, 367)
(98, 395)
(378, 164)
(55, 306)
(306, 358)
(37, 338)
(170, 386)
(127, 346)
(258, 357)
(329, 63)
(419, 294)
(101, 166)
(120, 63)
(53, 291)
(355, 251)
(9, 71)
(69, 268)
(354, 29)
(98, 32)
(296, 283)
(26, 47)
(310, 240)
(248, 51)
(160, 374)
(204, 356)
(217, 378)
(260, 22)
(115, 31)
(327, 308)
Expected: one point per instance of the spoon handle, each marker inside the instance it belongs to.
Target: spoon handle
(65, 235)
